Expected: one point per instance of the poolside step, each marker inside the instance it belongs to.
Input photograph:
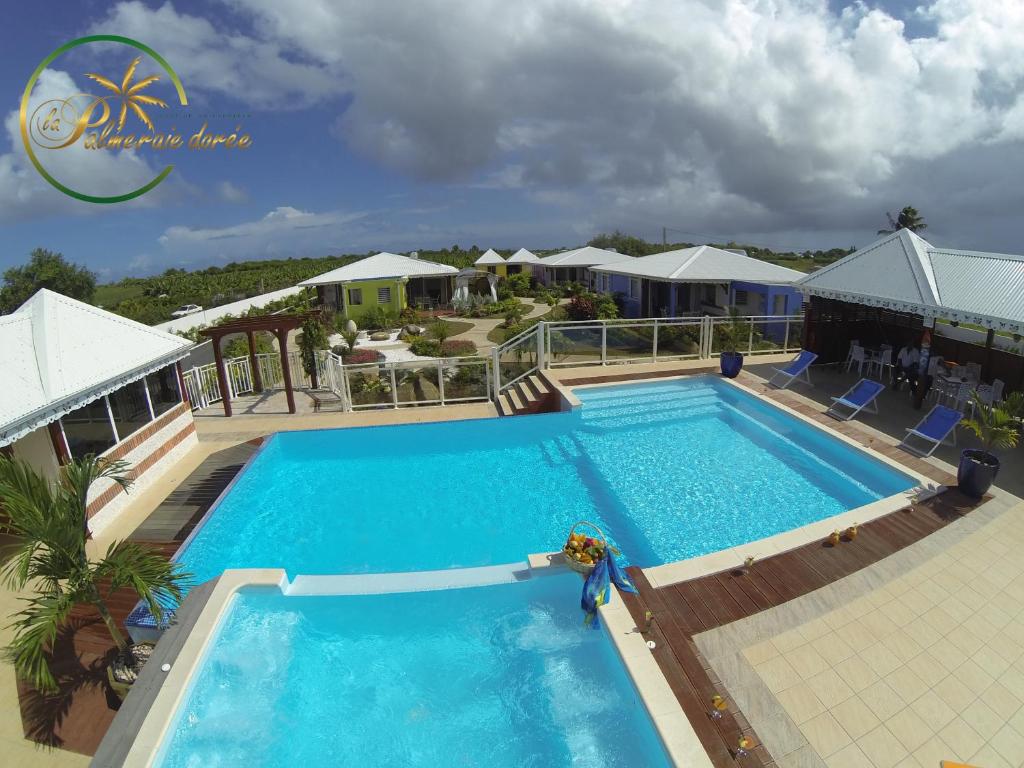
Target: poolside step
(526, 393)
(539, 386)
(513, 396)
(505, 406)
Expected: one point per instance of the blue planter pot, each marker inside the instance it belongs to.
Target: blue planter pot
(976, 472)
(731, 364)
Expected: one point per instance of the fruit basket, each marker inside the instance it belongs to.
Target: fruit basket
(582, 551)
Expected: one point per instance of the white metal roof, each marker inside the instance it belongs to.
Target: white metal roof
(905, 272)
(380, 267)
(703, 264)
(523, 256)
(212, 315)
(60, 353)
(490, 256)
(587, 256)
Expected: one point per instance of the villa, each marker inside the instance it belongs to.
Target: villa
(702, 280)
(574, 266)
(491, 261)
(385, 281)
(521, 261)
(81, 380)
(783, 588)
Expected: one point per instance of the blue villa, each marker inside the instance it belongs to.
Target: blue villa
(702, 280)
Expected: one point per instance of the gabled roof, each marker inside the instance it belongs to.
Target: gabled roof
(906, 273)
(489, 256)
(380, 267)
(523, 256)
(703, 264)
(587, 256)
(59, 354)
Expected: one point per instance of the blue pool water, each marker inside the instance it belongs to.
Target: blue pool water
(498, 676)
(670, 470)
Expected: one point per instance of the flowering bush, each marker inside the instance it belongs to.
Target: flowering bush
(359, 356)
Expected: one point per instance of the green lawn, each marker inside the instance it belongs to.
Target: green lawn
(499, 335)
(112, 294)
(456, 326)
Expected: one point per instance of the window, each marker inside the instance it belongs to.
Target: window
(634, 287)
(492, 270)
(742, 298)
(355, 296)
(384, 295)
(130, 408)
(708, 294)
(163, 389)
(88, 429)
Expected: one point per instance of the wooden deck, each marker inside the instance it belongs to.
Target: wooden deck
(691, 607)
(77, 717)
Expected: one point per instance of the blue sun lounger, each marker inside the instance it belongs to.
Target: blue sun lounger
(932, 430)
(858, 397)
(800, 367)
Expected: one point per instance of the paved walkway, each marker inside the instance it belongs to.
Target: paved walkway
(484, 325)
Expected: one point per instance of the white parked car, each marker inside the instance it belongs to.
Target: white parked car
(187, 309)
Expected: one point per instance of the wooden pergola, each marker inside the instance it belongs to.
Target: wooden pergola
(279, 325)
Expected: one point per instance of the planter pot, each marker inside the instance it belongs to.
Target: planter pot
(731, 364)
(121, 673)
(977, 472)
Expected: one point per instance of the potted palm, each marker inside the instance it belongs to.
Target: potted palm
(48, 529)
(995, 428)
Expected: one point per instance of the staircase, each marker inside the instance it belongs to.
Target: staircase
(529, 395)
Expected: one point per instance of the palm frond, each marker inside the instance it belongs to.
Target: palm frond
(108, 84)
(129, 72)
(35, 629)
(142, 98)
(141, 114)
(156, 579)
(143, 83)
(78, 476)
(995, 427)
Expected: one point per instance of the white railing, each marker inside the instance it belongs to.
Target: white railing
(610, 342)
(239, 376)
(201, 385)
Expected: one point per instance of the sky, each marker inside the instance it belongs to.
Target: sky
(390, 125)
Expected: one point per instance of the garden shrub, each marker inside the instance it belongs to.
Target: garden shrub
(378, 319)
(360, 356)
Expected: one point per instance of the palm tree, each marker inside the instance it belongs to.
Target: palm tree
(908, 218)
(130, 95)
(993, 426)
(49, 527)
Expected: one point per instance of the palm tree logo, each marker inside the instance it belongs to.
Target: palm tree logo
(130, 95)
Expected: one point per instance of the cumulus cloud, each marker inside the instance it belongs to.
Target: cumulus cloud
(231, 193)
(762, 114)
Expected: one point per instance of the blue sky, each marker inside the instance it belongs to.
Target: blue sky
(789, 123)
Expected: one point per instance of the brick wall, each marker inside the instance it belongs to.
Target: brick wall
(150, 451)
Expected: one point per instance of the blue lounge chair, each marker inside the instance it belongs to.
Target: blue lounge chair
(858, 397)
(800, 367)
(933, 429)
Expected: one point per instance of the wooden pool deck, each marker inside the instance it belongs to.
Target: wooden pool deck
(77, 717)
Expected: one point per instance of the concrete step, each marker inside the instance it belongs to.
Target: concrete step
(538, 385)
(517, 403)
(504, 406)
(526, 393)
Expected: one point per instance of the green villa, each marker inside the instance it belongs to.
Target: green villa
(387, 281)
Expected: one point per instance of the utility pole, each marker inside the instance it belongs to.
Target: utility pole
(664, 235)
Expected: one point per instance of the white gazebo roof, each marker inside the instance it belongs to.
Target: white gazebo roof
(703, 264)
(523, 256)
(490, 256)
(906, 273)
(588, 256)
(381, 267)
(60, 353)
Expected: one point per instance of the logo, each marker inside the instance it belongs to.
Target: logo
(120, 117)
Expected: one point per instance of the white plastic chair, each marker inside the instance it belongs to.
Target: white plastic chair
(933, 365)
(963, 396)
(849, 352)
(997, 390)
(857, 356)
(883, 362)
(974, 371)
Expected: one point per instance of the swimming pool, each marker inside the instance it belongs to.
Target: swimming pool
(500, 675)
(670, 469)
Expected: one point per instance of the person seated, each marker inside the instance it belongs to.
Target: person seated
(907, 362)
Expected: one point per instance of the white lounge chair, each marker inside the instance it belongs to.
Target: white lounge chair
(940, 423)
(858, 397)
(798, 368)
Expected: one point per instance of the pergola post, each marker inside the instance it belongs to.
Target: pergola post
(222, 376)
(257, 378)
(990, 338)
(282, 340)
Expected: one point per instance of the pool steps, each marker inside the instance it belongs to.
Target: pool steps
(530, 395)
